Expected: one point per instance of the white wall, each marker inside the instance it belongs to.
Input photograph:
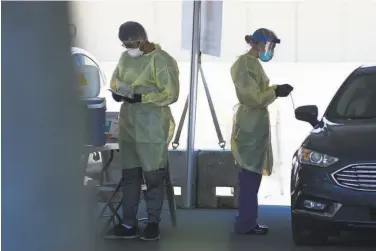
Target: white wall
(310, 30)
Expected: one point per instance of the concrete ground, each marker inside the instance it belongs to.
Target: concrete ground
(205, 230)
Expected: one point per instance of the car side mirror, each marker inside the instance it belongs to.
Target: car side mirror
(307, 113)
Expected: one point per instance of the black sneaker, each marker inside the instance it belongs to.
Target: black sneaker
(151, 232)
(121, 232)
(259, 230)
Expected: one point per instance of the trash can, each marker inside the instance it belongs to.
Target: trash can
(89, 81)
(96, 121)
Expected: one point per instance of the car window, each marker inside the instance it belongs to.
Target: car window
(356, 100)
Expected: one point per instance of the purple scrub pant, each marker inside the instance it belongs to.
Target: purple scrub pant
(249, 184)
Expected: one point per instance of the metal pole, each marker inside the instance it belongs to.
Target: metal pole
(279, 162)
(195, 52)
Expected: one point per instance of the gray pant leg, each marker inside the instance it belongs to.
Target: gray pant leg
(131, 186)
(154, 196)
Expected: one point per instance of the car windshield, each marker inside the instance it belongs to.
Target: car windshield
(356, 99)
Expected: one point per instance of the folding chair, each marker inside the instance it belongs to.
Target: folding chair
(114, 202)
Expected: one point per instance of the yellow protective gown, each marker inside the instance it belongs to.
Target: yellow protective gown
(146, 128)
(250, 139)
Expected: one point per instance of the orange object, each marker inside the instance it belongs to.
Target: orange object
(81, 78)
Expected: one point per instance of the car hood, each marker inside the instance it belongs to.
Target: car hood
(355, 140)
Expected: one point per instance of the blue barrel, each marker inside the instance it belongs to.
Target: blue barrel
(96, 108)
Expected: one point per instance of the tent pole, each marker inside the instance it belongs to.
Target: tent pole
(195, 53)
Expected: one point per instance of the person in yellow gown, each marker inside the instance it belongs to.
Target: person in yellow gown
(146, 80)
(250, 141)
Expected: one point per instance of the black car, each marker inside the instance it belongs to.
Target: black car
(333, 178)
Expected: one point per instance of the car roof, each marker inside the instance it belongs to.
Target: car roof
(368, 65)
(366, 69)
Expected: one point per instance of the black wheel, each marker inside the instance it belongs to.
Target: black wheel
(302, 235)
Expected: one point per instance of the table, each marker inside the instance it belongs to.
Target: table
(107, 150)
(110, 147)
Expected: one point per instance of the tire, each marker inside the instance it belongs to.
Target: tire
(302, 235)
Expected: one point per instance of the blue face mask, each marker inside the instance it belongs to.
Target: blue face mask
(266, 56)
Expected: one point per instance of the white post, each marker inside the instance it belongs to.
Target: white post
(195, 53)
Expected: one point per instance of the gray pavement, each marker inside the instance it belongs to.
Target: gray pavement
(206, 230)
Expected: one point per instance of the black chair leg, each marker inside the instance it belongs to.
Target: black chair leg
(170, 197)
